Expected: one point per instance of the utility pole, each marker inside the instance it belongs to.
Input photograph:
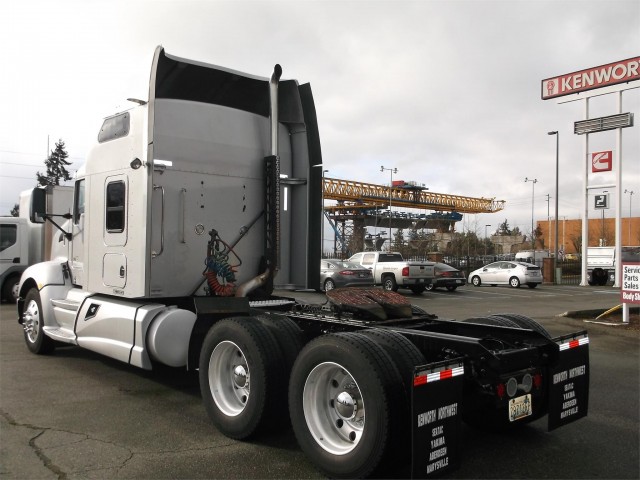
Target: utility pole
(533, 191)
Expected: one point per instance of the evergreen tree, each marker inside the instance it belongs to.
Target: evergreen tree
(15, 211)
(56, 170)
(504, 229)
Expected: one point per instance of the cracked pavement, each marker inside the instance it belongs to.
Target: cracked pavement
(76, 414)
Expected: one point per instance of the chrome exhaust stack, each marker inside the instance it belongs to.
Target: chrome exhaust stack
(273, 107)
(272, 203)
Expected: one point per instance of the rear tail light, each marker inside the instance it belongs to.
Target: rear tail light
(537, 380)
(347, 272)
(405, 272)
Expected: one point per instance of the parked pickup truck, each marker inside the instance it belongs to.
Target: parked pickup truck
(392, 271)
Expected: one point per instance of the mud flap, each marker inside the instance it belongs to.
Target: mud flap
(569, 380)
(436, 410)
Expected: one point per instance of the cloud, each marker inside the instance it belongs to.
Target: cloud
(446, 91)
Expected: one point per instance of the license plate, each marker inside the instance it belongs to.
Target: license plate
(519, 407)
(458, 281)
(361, 275)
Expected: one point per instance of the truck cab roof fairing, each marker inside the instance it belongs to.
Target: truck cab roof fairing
(178, 78)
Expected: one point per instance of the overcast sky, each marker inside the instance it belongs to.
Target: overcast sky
(447, 92)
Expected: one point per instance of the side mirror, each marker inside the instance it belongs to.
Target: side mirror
(38, 205)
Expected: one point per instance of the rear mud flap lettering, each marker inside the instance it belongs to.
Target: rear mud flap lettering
(436, 410)
(569, 382)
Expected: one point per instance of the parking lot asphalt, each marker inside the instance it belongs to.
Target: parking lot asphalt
(76, 414)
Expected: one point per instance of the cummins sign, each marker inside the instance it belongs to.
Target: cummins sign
(611, 74)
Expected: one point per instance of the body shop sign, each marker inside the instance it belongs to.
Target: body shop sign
(591, 78)
(630, 291)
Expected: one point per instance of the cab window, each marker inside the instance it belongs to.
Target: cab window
(368, 258)
(115, 213)
(8, 235)
(78, 201)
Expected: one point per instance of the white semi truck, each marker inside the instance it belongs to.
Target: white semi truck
(199, 201)
(24, 243)
(601, 263)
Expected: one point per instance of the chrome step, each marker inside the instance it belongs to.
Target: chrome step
(61, 334)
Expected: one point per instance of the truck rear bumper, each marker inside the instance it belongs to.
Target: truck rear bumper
(417, 281)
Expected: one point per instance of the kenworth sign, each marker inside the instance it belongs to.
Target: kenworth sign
(611, 74)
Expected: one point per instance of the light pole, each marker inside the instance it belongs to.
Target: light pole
(555, 257)
(533, 190)
(548, 222)
(485, 239)
(630, 192)
(564, 219)
(391, 172)
(320, 165)
(322, 226)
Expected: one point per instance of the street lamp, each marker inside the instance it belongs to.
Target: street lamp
(485, 239)
(391, 172)
(557, 134)
(533, 189)
(630, 192)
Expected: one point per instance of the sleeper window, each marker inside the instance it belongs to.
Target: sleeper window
(115, 214)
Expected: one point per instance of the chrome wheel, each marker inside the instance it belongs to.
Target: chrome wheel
(229, 378)
(31, 321)
(333, 408)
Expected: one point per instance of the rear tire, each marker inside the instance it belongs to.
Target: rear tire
(242, 377)
(452, 288)
(404, 354)
(336, 378)
(492, 320)
(389, 283)
(33, 324)
(431, 287)
(10, 289)
(417, 290)
(329, 285)
(532, 285)
(288, 335)
(524, 322)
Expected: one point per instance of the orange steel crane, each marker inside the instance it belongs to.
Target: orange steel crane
(359, 204)
(354, 196)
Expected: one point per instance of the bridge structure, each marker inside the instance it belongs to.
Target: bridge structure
(360, 205)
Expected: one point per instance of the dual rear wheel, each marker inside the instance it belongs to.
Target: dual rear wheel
(348, 393)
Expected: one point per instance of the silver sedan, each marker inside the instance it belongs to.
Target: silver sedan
(507, 273)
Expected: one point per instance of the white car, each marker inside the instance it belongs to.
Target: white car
(507, 273)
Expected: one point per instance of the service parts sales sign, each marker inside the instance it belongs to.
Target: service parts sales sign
(630, 291)
(597, 77)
